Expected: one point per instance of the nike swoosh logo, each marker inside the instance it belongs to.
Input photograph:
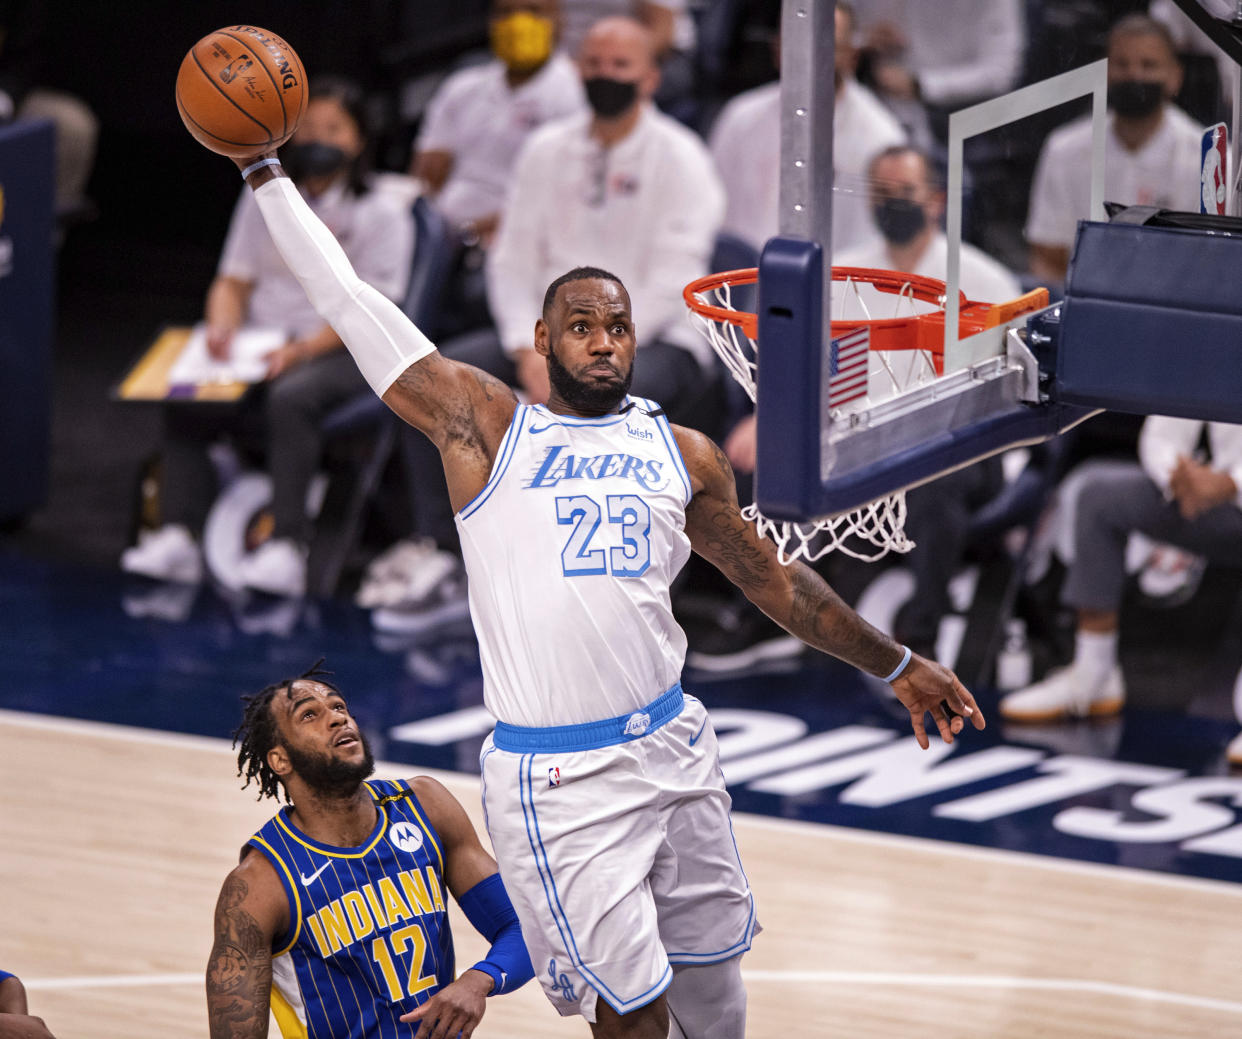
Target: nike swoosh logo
(308, 881)
(543, 429)
(695, 738)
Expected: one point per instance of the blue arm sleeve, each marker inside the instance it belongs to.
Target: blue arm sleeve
(5, 974)
(488, 908)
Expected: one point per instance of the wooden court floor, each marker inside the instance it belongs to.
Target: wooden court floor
(113, 843)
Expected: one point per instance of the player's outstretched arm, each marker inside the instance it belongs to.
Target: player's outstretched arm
(464, 411)
(802, 603)
(250, 912)
(470, 874)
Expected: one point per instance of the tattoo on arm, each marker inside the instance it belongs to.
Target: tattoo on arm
(239, 972)
(820, 617)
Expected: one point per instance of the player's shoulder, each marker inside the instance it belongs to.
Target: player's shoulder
(256, 876)
(704, 461)
(443, 810)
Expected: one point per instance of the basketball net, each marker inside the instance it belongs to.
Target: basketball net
(868, 532)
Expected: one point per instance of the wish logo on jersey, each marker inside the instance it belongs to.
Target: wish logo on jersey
(560, 464)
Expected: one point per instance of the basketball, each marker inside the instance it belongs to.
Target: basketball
(241, 90)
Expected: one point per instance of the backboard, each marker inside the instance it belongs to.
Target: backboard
(997, 389)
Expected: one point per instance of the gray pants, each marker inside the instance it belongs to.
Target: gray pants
(1120, 501)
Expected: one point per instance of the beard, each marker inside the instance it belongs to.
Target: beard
(590, 397)
(328, 777)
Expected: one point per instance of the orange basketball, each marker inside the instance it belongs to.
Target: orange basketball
(241, 90)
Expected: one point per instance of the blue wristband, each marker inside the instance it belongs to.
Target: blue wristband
(259, 165)
(902, 666)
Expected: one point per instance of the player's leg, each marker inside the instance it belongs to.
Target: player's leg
(707, 1000)
(575, 835)
(706, 909)
(645, 1022)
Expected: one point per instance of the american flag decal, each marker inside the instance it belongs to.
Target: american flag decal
(847, 372)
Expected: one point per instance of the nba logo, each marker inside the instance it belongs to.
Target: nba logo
(1214, 156)
(554, 777)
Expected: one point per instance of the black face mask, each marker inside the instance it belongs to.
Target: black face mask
(313, 159)
(900, 221)
(1135, 98)
(609, 97)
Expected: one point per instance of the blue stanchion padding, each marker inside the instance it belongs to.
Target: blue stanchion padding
(1152, 322)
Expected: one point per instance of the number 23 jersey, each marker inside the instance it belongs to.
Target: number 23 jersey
(571, 548)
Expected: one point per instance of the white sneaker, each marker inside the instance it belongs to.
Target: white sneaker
(385, 577)
(169, 553)
(277, 567)
(1065, 693)
(411, 587)
(445, 603)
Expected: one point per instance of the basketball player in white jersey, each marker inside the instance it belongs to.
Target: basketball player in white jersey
(602, 787)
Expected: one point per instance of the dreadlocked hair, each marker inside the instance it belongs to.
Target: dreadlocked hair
(258, 734)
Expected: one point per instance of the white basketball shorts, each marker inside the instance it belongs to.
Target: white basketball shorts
(617, 851)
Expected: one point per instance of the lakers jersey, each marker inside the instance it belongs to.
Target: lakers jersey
(570, 549)
(368, 936)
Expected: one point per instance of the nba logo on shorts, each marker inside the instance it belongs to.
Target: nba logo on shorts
(554, 777)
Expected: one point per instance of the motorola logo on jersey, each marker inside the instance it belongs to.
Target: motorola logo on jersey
(406, 836)
(559, 464)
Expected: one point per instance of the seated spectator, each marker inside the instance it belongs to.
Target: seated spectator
(623, 187)
(16, 1021)
(306, 376)
(1151, 152)
(927, 59)
(907, 207)
(672, 35)
(478, 119)
(1175, 496)
(746, 144)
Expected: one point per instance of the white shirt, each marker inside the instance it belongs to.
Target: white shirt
(478, 118)
(746, 144)
(1163, 439)
(960, 50)
(646, 210)
(375, 230)
(1164, 172)
(982, 278)
(571, 549)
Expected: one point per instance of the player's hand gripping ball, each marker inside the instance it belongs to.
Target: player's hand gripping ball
(241, 90)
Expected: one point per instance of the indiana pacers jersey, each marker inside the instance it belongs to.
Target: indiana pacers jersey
(368, 936)
(571, 548)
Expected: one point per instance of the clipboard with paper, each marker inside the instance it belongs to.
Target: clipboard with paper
(177, 366)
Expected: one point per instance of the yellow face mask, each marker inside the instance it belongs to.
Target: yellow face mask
(523, 41)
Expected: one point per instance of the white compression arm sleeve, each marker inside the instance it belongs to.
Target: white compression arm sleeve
(383, 341)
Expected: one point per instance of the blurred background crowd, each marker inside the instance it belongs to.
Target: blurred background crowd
(466, 154)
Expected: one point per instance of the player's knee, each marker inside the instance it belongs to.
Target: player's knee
(707, 1000)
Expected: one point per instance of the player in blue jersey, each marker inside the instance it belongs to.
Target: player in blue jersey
(335, 920)
(16, 1021)
(602, 786)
